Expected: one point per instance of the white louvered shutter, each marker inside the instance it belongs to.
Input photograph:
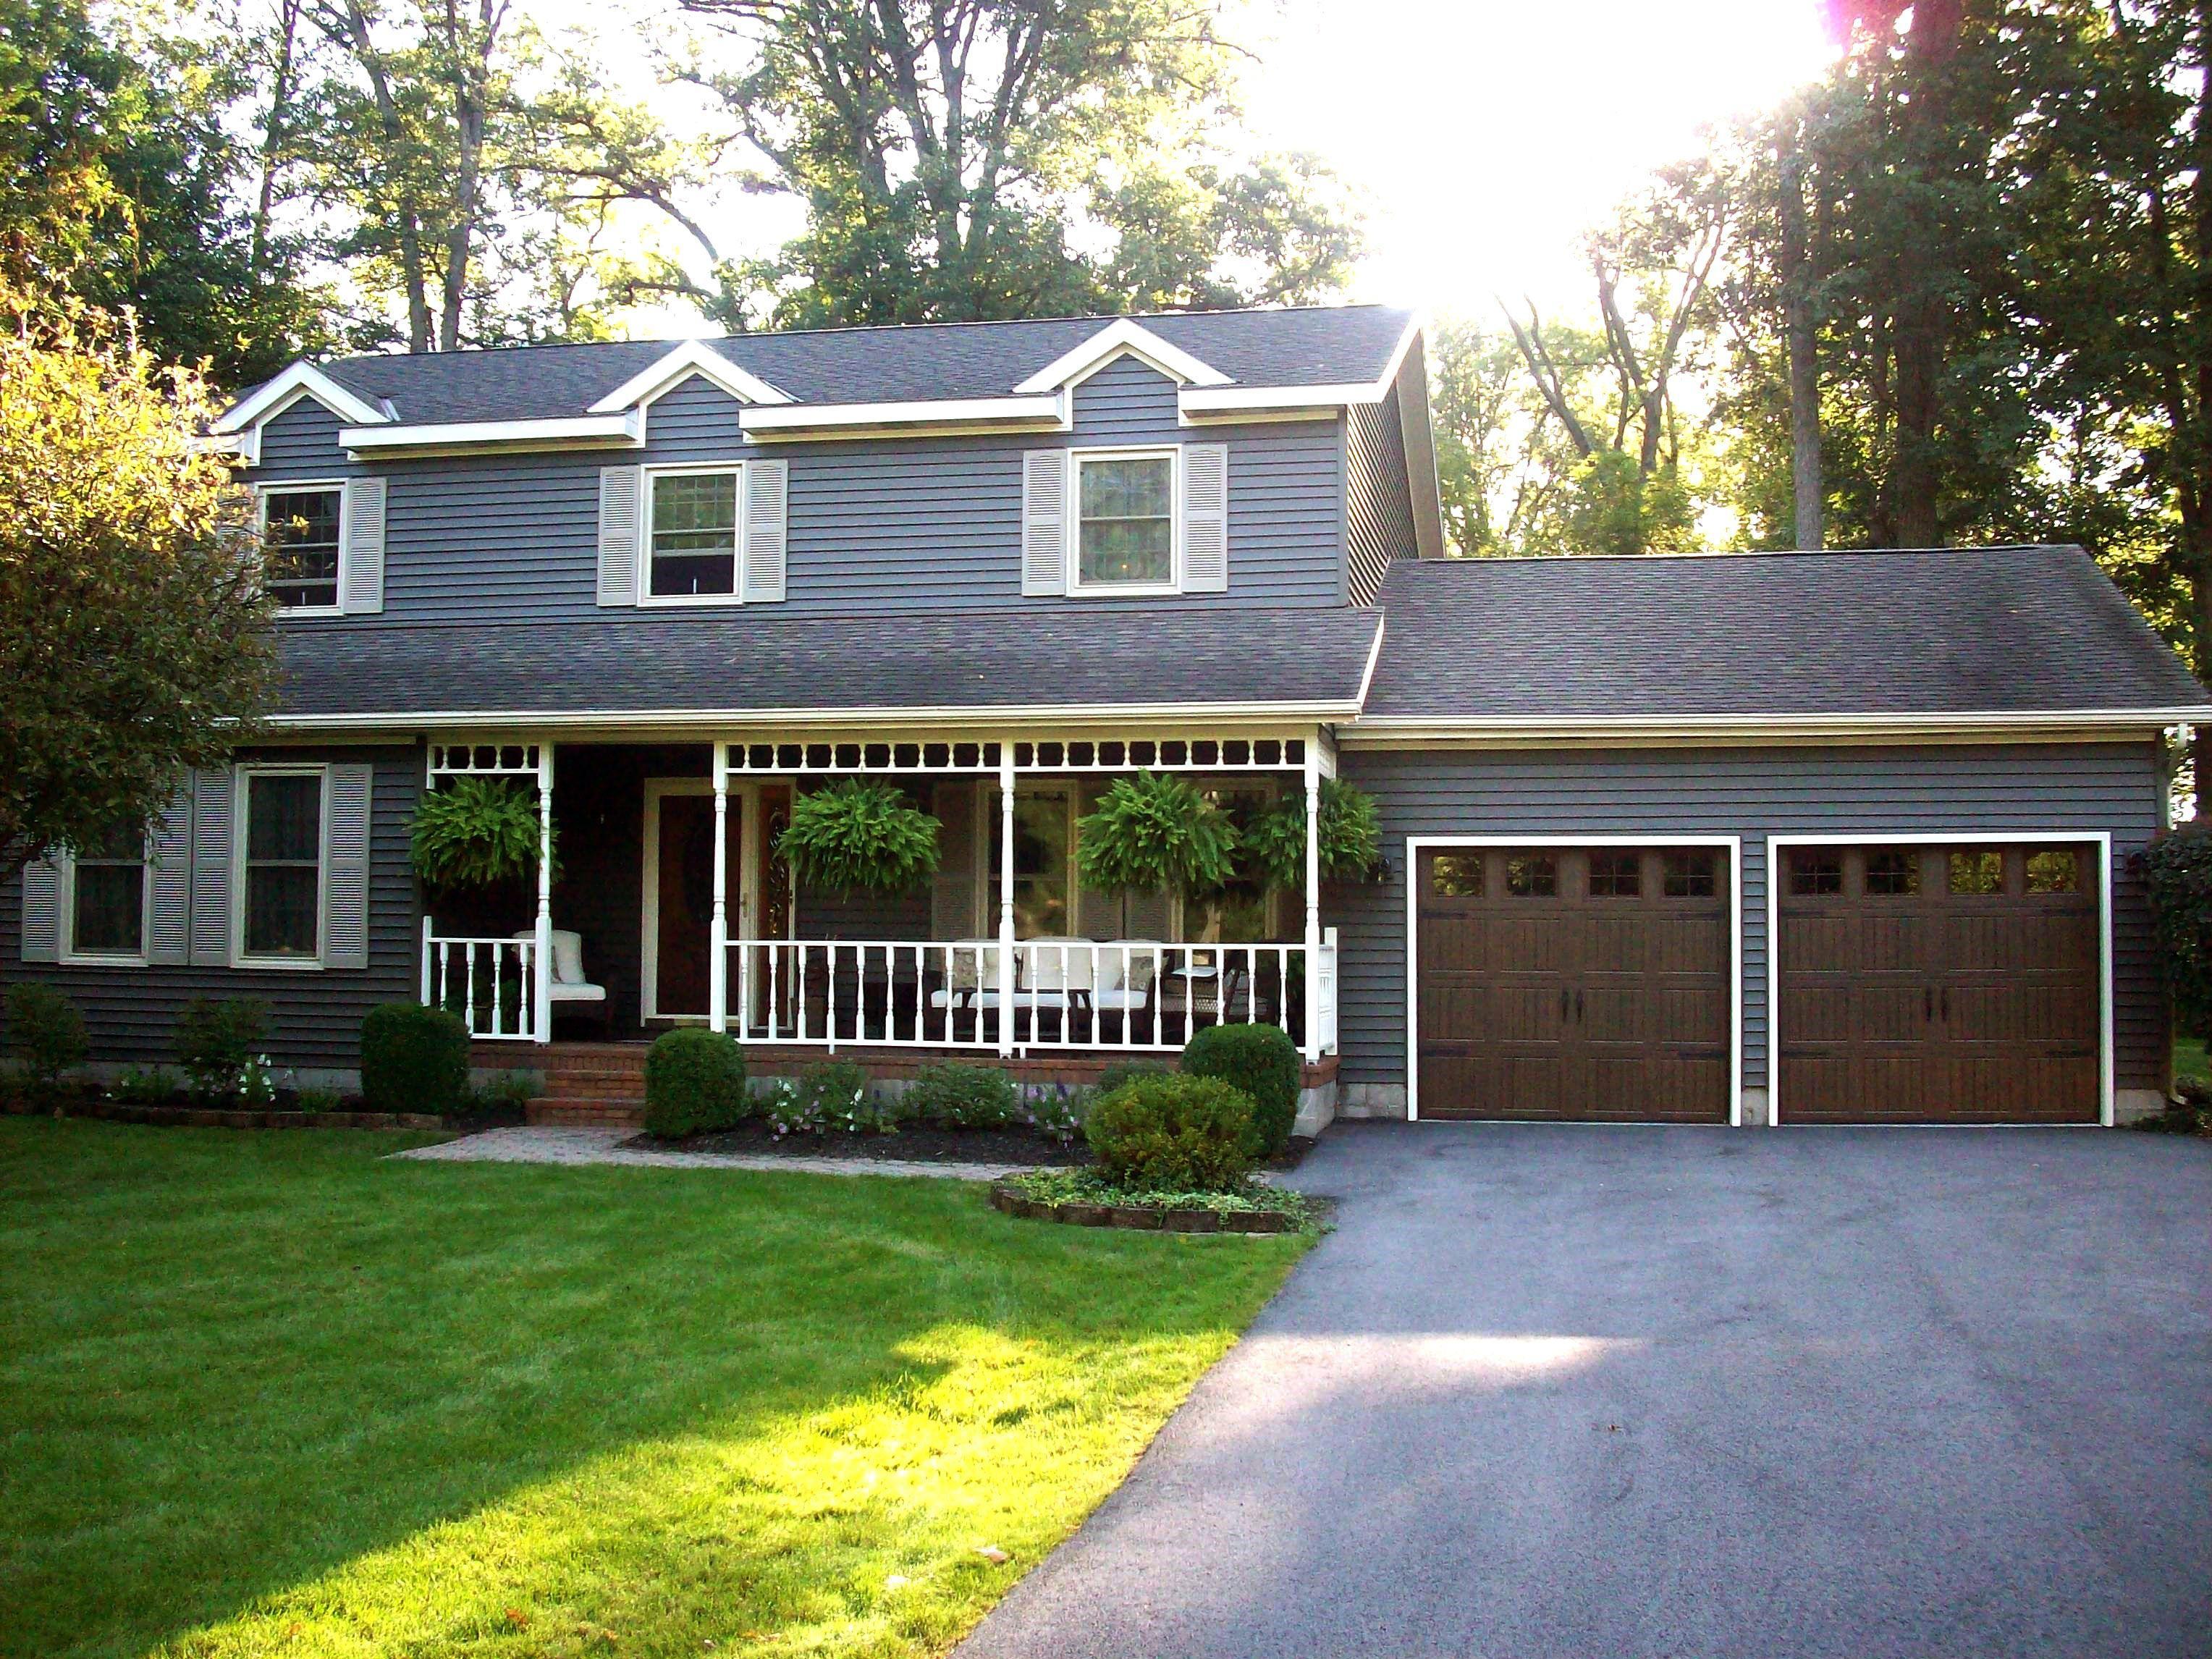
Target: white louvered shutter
(767, 490)
(345, 892)
(621, 492)
(169, 927)
(42, 910)
(1205, 519)
(363, 593)
(214, 788)
(1044, 522)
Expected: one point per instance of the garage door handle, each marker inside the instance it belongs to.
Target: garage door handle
(1579, 1007)
(1927, 1004)
(1946, 1005)
(1562, 1004)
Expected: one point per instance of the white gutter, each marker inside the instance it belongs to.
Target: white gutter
(1047, 412)
(567, 431)
(983, 719)
(1401, 730)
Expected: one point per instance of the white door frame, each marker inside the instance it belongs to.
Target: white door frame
(1417, 845)
(2099, 839)
(745, 801)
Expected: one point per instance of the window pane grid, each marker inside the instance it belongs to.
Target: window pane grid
(284, 864)
(1126, 527)
(695, 534)
(1688, 875)
(299, 547)
(1616, 875)
(108, 902)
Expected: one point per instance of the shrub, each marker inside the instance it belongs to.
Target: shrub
(215, 1040)
(964, 1097)
(833, 1095)
(1128, 1071)
(694, 1083)
(2178, 876)
(1193, 1134)
(139, 1087)
(45, 1031)
(315, 1102)
(1262, 1061)
(477, 831)
(507, 1091)
(1152, 832)
(414, 1059)
(859, 836)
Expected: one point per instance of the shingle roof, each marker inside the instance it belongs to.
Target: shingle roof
(1281, 348)
(1152, 657)
(1955, 630)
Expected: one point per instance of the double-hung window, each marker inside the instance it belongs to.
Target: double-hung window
(302, 544)
(106, 913)
(691, 536)
(281, 866)
(1125, 521)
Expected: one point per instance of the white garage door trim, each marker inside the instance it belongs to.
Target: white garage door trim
(1417, 845)
(2099, 839)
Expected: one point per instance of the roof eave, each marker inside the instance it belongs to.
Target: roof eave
(1404, 731)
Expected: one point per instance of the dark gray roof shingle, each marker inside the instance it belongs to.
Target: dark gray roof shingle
(1955, 630)
(1141, 657)
(1312, 347)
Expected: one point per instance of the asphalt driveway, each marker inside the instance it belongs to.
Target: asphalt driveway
(1622, 1391)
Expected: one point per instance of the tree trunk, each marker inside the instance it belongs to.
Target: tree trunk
(1921, 337)
(1805, 484)
(272, 136)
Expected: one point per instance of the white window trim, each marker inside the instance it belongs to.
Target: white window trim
(267, 488)
(1077, 587)
(70, 955)
(242, 835)
(647, 599)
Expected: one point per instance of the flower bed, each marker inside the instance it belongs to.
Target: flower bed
(116, 1111)
(1083, 1198)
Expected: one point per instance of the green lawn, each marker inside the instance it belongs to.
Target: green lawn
(264, 1393)
(2188, 1058)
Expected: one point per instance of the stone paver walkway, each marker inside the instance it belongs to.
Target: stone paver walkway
(561, 1143)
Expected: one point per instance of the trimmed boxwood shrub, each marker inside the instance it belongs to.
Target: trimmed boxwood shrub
(414, 1059)
(694, 1082)
(44, 1031)
(1180, 1134)
(1262, 1061)
(2178, 877)
(214, 1039)
(964, 1097)
(1128, 1071)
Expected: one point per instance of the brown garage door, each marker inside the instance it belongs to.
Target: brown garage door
(1938, 984)
(1587, 983)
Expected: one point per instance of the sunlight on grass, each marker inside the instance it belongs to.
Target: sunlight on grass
(260, 1398)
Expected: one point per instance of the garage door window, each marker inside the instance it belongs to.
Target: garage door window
(1979, 872)
(1457, 875)
(1895, 875)
(1811, 874)
(1532, 878)
(1616, 875)
(2054, 870)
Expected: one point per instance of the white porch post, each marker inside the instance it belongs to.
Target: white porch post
(1005, 897)
(718, 930)
(1314, 987)
(542, 1011)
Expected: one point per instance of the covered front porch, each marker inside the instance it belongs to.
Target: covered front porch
(667, 903)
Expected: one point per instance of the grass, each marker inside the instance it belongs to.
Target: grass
(264, 1393)
(2189, 1059)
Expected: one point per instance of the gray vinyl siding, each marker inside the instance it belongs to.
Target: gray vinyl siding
(1378, 502)
(1752, 794)
(314, 1017)
(876, 526)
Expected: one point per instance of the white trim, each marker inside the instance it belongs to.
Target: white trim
(241, 833)
(743, 795)
(686, 359)
(2100, 839)
(66, 953)
(646, 599)
(938, 417)
(1416, 844)
(558, 432)
(1376, 731)
(263, 488)
(1199, 403)
(893, 715)
(1374, 657)
(1077, 587)
(1124, 337)
(301, 380)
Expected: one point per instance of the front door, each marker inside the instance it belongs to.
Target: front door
(679, 884)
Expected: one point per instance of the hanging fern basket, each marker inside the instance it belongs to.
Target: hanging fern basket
(1154, 833)
(1350, 831)
(860, 837)
(477, 832)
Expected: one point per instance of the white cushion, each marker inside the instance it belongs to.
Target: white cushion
(567, 963)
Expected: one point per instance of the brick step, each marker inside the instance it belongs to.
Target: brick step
(595, 1083)
(586, 1113)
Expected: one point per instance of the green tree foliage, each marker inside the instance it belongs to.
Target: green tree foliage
(961, 160)
(1153, 832)
(134, 640)
(859, 835)
(2178, 876)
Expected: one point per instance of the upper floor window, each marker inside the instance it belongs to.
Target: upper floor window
(281, 917)
(106, 899)
(692, 549)
(302, 534)
(1125, 521)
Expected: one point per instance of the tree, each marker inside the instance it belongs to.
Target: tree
(133, 633)
(965, 160)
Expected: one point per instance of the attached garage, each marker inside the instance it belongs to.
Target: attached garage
(1586, 982)
(1940, 982)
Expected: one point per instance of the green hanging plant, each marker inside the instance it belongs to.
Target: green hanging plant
(1349, 830)
(1153, 832)
(859, 836)
(476, 832)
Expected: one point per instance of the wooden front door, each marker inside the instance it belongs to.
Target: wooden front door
(1580, 983)
(683, 891)
(1939, 984)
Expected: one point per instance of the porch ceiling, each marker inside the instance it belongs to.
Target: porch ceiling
(1127, 661)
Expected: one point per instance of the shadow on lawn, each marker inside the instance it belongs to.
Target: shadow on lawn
(262, 1396)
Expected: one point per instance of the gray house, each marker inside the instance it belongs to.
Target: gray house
(1756, 839)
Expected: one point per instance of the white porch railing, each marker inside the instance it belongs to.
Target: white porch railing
(1066, 994)
(492, 983)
